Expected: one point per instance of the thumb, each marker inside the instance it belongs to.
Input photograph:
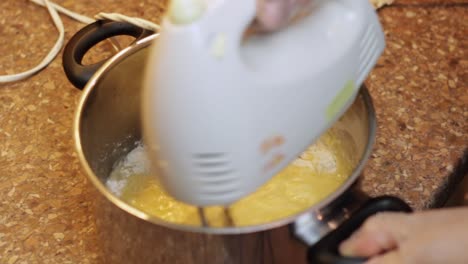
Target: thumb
(378, 234)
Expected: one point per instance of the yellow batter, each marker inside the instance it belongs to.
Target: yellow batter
(318, 172)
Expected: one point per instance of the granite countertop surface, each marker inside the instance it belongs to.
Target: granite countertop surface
(419, 88)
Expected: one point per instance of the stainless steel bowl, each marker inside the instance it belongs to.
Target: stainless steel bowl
(107, 127)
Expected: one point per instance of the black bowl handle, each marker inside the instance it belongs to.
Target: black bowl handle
(326, 250)
(85, 39)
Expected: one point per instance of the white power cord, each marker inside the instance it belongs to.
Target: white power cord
(53, 10)
(75, 16)
(132, 20)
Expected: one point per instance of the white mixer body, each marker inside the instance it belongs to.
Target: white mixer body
(222, 115)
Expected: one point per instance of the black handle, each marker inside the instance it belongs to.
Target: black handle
(326, 250)
(85, 39)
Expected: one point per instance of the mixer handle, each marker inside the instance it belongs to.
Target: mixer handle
(326, 250)
(85, 39)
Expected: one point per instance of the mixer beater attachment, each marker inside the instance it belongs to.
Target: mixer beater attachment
(229, 222)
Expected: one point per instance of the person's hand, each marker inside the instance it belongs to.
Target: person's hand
(274, 14)
(439, 236)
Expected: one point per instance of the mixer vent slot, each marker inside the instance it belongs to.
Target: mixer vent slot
(369, 52)
(209, 155)
(214, 169)
(214, 164)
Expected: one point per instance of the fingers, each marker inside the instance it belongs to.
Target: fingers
(393, 257)
(274, 14)
(380, 233)
(429, 237)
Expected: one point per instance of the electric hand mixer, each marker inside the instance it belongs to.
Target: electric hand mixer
(224, 113)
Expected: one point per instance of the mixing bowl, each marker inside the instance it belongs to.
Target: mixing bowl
(108, 126)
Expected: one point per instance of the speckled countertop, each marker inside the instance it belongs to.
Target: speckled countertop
(419, 89)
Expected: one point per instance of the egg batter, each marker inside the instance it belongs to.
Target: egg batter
(319, 171)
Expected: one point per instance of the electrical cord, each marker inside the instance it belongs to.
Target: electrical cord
(132, 20)
(53, 10)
